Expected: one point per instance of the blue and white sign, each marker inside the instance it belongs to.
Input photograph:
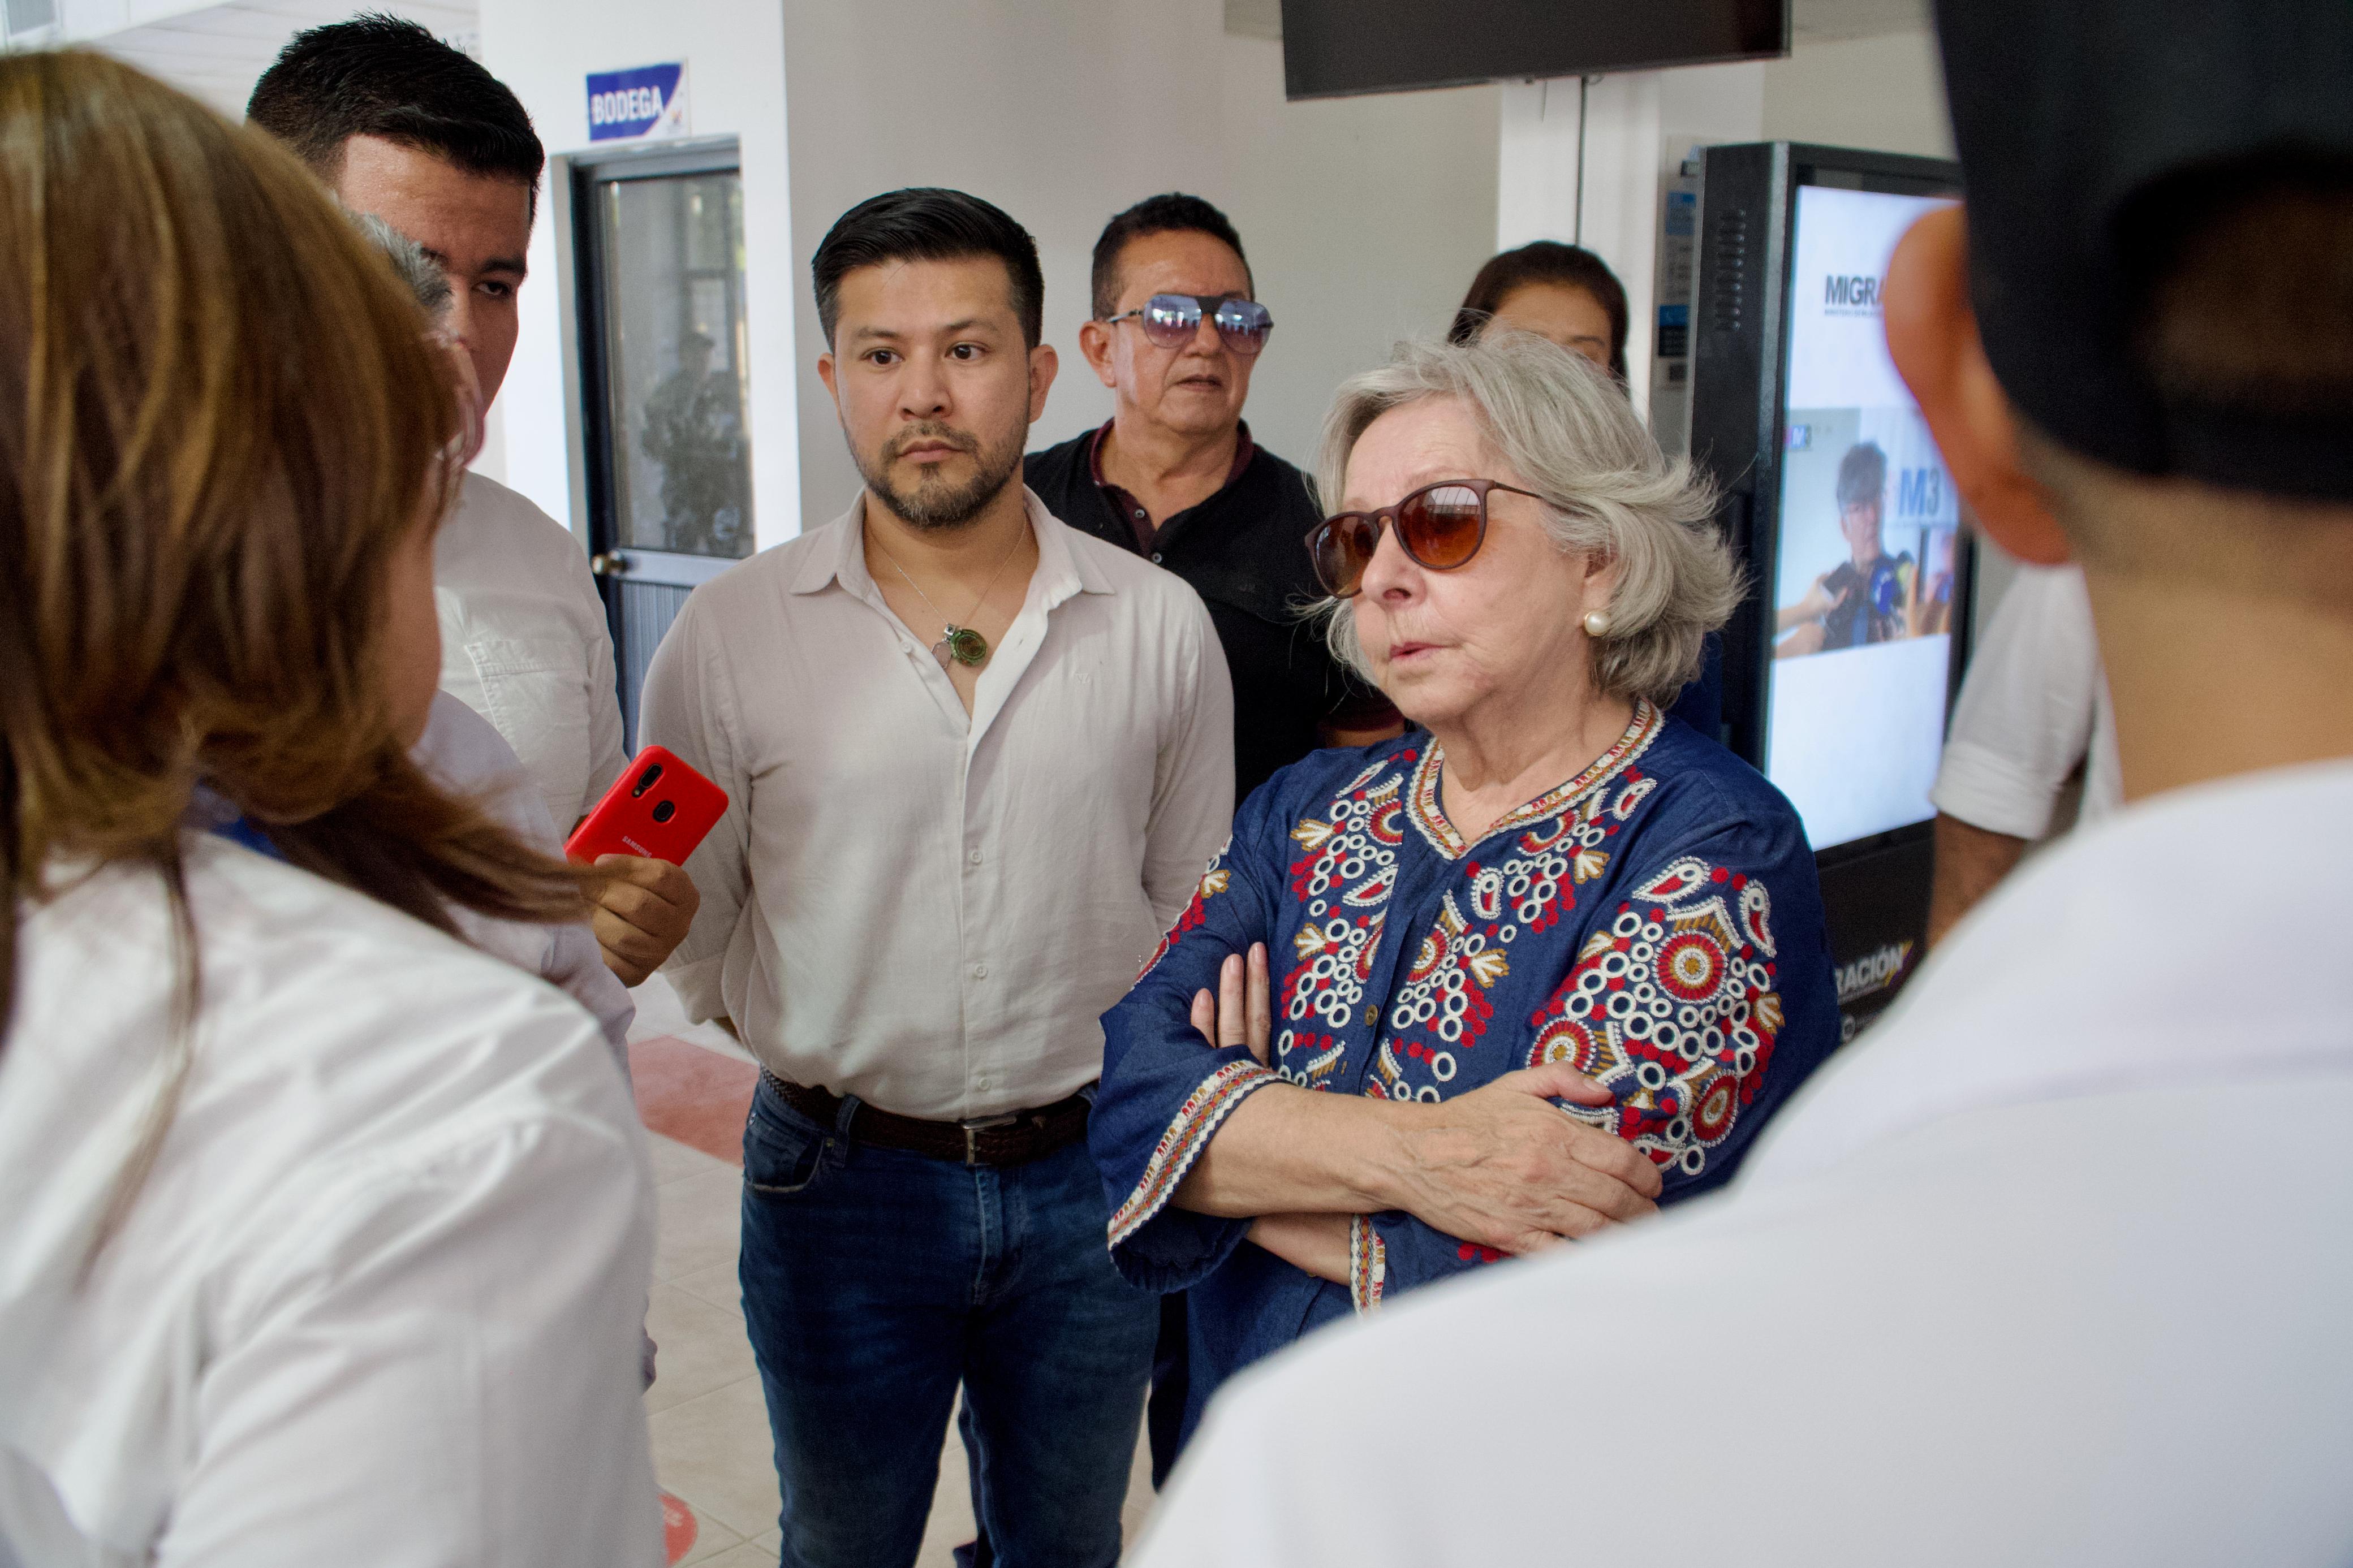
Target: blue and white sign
(648, 103)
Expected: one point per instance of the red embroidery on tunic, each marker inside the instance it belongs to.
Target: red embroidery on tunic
(1188, 1133)
(1671, 1008)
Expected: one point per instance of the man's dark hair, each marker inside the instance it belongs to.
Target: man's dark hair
(1175, 213)
(926, 223)
(1863, 475)
(385, 76)
(1544, 261)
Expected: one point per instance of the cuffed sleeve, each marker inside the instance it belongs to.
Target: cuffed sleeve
(1165, 1090)
(2024, 718)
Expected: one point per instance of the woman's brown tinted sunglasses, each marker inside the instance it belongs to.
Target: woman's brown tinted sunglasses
(1441, 526)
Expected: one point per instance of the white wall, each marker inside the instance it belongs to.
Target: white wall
(1886, 94)
(735, 51)
(1364, 218)
(1634, 126)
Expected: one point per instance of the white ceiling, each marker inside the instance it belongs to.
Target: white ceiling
(217, 53)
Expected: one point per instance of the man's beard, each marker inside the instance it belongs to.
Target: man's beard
(933, 503)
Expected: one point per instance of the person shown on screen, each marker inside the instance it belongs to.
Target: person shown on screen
(2053, 1267)
(1867, 598)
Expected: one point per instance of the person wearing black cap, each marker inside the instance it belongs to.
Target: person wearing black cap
(2053, 1267)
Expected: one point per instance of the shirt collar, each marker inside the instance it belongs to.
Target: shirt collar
(1244, 450)
(1062, 571)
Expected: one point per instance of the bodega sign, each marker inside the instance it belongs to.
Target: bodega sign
(648, 103)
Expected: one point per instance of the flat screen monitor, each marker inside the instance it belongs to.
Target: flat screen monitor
(1332, 47)
(1867, 559)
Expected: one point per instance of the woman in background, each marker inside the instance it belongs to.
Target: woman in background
(327, 1236)
(1563, 293)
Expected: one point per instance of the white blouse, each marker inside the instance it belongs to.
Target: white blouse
(469, 757)
(524, 644)
(378, 1298)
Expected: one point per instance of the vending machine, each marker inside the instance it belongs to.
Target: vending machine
(1841, 667)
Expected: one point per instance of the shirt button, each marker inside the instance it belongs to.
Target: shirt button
(1155, 558)
(980, 972)
(984, 1083)
(1139, 514)
(976, 857)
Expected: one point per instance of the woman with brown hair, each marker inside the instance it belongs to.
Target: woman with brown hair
(1563, 293)
(327, 1236)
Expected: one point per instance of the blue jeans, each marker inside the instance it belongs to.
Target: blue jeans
(875, 1281)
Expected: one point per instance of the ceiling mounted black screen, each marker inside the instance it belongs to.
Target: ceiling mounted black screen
(1332, 47)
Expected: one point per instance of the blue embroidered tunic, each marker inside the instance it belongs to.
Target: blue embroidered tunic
(1655, 921)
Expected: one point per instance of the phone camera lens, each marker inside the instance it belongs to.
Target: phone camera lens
(646, 781)
(664, 810)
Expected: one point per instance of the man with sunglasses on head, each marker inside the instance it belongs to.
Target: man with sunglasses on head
(1174, 476)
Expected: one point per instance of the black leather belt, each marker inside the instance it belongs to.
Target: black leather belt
(1014, 1138)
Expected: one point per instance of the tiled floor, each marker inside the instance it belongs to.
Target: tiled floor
(711, 1449)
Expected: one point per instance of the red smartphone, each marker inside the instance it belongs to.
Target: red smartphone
(658, 808)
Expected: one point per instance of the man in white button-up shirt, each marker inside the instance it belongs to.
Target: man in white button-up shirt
(400, 125)
(975, 762)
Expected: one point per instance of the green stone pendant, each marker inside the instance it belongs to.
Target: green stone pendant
(961, 644)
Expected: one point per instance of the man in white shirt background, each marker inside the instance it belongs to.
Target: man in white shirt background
(2033, 715)
(2053, 1265)
(975, 762)
(401, 125)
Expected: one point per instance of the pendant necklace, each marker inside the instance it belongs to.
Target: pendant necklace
(960, 644)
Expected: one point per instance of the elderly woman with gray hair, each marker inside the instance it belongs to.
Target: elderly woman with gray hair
(1549, 898)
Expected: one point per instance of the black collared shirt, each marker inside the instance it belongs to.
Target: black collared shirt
(1245, 550)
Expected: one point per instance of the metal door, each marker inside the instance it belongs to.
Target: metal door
(660, 242)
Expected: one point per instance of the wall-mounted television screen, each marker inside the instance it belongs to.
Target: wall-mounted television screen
(1332, 47)
(1841, 664)
(1862, 589)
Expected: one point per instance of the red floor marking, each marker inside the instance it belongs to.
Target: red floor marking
(678, 1529)
(694, 1095)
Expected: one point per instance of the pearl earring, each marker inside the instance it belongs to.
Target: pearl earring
(1597, 623)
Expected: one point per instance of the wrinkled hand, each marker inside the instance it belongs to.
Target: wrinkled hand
(642, 914)
(1503, 1167)
(1242, 1011)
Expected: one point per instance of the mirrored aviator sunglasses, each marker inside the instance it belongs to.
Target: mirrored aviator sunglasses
(1439, 526)
(1172, 320)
